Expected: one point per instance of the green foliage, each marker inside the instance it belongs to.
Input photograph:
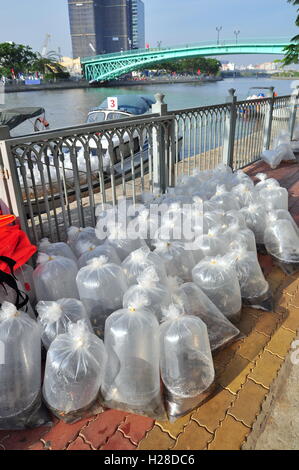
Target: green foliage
(15, 56)
(191, 66)
(292, 51)
(22, 59)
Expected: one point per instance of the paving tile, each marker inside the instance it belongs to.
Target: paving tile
(267, 323)
(211, 413)
(235, 374)
(248, 403)
(223, 357)
(118, 442)
(79, 444)
(135, 427)
(266, 369)
(156, 439)
(194, 437)
(280, 342)
(253, 345)
(291, 321)
(290, 286)
(37, 446)
(230, 435)
(98, 431)
(21, 440)
(174, 429)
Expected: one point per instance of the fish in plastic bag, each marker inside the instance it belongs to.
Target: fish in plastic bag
(101, 287)
(55, 278)
(138, 260)
(75, 366)
(20, 371)
(178, 261)
(219, 281)
(186, 362)
(220, 330)
(149, 288)
(55, 318)
(132, 378)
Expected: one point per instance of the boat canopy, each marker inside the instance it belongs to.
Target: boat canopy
(15, 116)
(134, 104)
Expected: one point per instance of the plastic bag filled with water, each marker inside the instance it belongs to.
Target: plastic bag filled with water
(187, 368)
(134, 265)
(132, 378)
(55, 318)
(178, 261)
(282, 242)
(95, 251)
(219, 281)
(224, 199)
(255, 216)
(274, 197)
(75, 366)
(101, 287)
(220, 330)
(55, 278)
(20, 370)
(255, 289)
(77, 238)
(56, 249)
(155, 294)
(124, 242)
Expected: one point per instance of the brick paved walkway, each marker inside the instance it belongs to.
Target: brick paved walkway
(245, 377)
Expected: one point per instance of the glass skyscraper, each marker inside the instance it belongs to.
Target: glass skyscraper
(105, 26)
(138, 30)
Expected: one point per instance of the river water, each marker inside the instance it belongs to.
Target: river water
(70, 107)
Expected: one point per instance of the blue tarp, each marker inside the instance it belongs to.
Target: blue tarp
(134, 104)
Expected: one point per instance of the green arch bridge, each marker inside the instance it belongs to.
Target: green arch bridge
(110, 66)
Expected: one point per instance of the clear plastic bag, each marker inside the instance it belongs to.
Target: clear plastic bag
(56, 249)
(255, 216)
(74, 371)
(132, 378)
(101, 287)
(147, 224)
(187, 368)
(255, 289)
(264, 181)
(274, 197)
(55, 318)
(220, 330)
(138, 260)
(210, 244)
(77, 238)
(124, 243)
(178, 261)
(55, 278)
(224, 199)
(212, 219)
(245, 194)
(285, 152)
(20, 370)
(95, 251)
(155, 295)
(272, 158)
(282, 241)
(218, 280)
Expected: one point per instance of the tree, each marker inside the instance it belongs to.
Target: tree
(15, 57)
(190, 66)
(48, 66)
(292, 51)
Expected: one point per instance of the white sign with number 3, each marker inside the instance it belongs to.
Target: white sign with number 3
(112, 103)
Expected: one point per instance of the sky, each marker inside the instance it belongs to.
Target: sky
(170, 21)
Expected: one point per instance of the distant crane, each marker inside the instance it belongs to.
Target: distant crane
(46, 45)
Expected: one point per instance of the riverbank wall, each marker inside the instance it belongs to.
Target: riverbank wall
(71, 85)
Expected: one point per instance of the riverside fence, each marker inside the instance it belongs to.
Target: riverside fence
(55, 179)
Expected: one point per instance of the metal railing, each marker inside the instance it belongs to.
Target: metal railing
(55, 179)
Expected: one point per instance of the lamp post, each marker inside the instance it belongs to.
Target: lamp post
(236, 33)
(218, 29)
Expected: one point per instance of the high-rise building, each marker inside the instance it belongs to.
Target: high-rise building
(105, 26)
(138, 29)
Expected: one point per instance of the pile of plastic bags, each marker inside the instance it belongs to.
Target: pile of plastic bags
(283, 150)
(130, 322)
